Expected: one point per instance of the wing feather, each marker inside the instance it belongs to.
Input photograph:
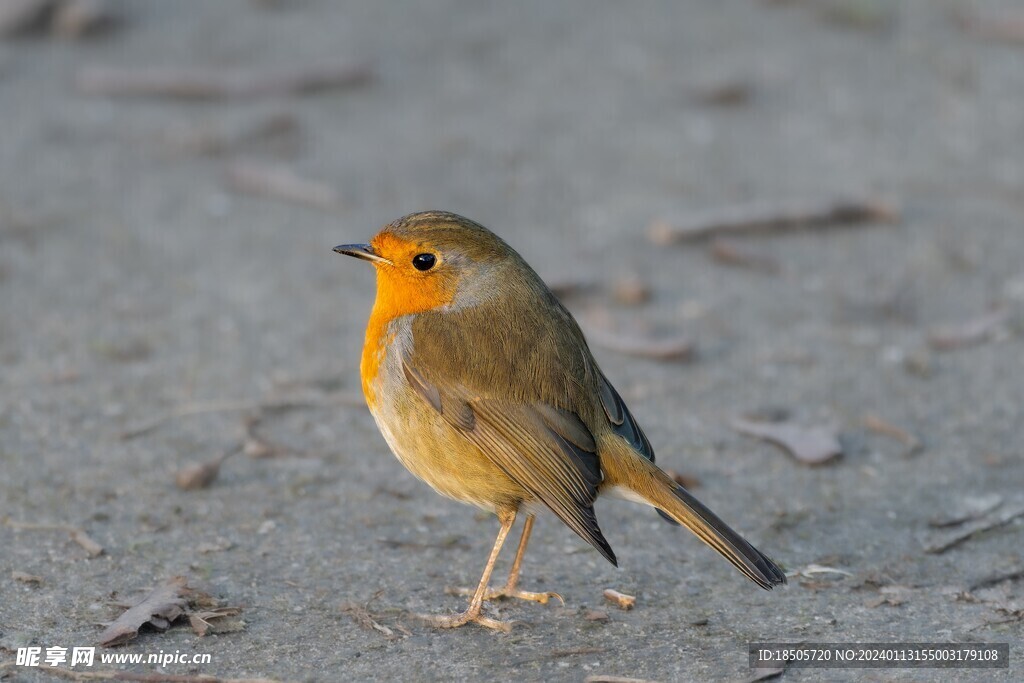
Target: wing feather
(622, 420)
(547, 450)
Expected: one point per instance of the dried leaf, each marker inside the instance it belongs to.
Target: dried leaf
(893, 596)
(813, 569)
(158, 608)
(968, 333)
(169, 602)
(763, 218)
(809, 445)
(214, 621)
(227, 625)
(620, 600)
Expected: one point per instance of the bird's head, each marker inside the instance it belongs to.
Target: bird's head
(436, 260)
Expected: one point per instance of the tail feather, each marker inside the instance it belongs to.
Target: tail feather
(696, 517)
(645, 481)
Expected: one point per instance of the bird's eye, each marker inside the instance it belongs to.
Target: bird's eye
(423, 261)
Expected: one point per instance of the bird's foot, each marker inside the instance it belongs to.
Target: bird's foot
(471, 615)
(510, 592)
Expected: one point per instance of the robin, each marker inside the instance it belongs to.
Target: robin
(482, 384)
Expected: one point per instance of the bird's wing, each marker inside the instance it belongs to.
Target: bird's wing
(548, 451)
(622, 420)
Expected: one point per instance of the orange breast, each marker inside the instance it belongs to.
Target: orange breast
(374, 349)
(400, 291)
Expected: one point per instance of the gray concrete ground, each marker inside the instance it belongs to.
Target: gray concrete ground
(135, 284)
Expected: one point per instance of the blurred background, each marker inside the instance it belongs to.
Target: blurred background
(791, 228)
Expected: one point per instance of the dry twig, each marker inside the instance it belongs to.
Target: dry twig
(728, 92)
(729, 253)
(966, 509)
(231, 405)
(279, 133)
(620, 600)
(995, 579)
(141, 677)
(678, 348)
(968, 333)
(881, 426)
(280, 182)
(1001, 516)
(762, 218)
(214, 84)
(92, 548)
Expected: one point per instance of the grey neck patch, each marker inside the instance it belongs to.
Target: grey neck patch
(486, 285)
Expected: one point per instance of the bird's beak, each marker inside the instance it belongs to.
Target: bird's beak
(361, 251)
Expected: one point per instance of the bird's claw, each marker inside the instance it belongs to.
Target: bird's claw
(469, 616)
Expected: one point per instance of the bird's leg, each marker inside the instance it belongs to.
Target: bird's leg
(472, 612)
(510, 590)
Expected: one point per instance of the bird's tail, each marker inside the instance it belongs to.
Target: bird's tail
(636, 478)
